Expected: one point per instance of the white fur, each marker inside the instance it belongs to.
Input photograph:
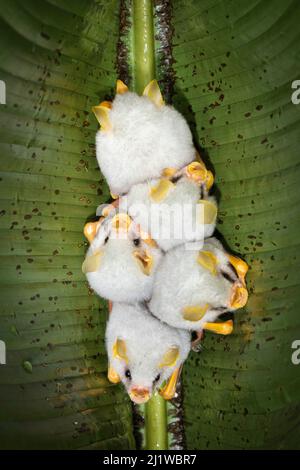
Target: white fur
(143, 141)
(119, 277)
(181, 281)
(172, 221)
(147, 340)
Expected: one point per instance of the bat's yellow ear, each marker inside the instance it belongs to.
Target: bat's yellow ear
(208, 260)
(91, 263)
(90, 229)
(160, 191)
(152, 91)
(121, 87)
(120, 350)
(170, 357)
(209, 213)
(194, 312)
(112, 376)
(102, 114)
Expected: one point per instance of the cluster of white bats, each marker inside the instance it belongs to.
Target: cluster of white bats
(160, 288)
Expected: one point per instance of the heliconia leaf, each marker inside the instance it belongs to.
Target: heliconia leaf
(228, 67)
(233, 83)
(57, 61)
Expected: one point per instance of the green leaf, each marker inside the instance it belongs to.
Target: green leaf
(229, 71)
(57, 60)
(234, 64)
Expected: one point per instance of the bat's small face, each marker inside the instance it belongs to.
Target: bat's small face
(140, 375)
(120, 263)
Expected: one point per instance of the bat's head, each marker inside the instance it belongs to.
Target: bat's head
(139, 137)
(144, 353)
(121, 261)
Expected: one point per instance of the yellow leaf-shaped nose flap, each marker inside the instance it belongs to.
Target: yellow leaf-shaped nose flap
(139, 395)
(145, 261)
(194, 312)
(170, 357)
(169, 390)
(112, 376)
(208, 213)
(120, 350)
(152, 91)
(159, 192)
(208, 260)
(91, 263)
(102, 114)
(121, 87)
(224, 328)
(90, 229)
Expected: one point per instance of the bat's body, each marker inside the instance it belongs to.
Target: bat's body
(119, 264)
(144, 352)
(192, 287)
(174, 210)
(139, 137)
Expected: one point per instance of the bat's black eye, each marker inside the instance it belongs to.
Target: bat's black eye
(128, 374)
(157, 378)
(137, 241)
(106, 240)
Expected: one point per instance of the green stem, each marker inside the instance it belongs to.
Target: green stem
(156, 423)
(155, 411)
(143, 44)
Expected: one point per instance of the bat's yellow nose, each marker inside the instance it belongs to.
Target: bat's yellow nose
(139, 395)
